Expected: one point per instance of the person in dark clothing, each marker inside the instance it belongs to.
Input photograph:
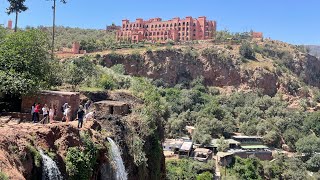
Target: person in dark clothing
(32, 111)
(80, 115)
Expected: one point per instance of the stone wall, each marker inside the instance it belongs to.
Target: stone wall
(56, 98)
(111, 108)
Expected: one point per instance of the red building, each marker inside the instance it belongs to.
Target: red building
(176, 29)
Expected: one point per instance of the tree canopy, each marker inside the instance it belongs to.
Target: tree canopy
(24, 62)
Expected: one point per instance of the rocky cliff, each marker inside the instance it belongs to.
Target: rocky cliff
(222, 66)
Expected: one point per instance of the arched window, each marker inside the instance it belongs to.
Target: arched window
(146, 34)
(170, 25)
(187, 33)
(179, 24)
(134, 25)
(187, 29)
(156, 26)
(140, 25)
(194, 30)
(187, 38)
(178, 34)
(187, 23)
(154, 33)
(183, 29)
(130, 25)
(147, 26)
(158, 33)
(150, 34)
(175, 24)
(161, 33)
(183, 34)
(151, 26)
(124, 26)
(194, 24)
(183, 23)
(163, 25)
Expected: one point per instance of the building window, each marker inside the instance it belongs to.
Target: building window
(175, 24)
(163, 25)
(183, 34)
(158, 33)
(146, 34)
(167, 25)
(194, 30)
(178, 34)
(123, 26)
(179, 24)
(151, 26)
(187, 39)
(130, 25)
(147, 26)
(156, 26)
(183, 29)
(154, 33)
(187, 29)
(161, 33)
(182, 38)
(187, 23)
(194, 24)
(170, 25)
(194, 34)
(187, 33)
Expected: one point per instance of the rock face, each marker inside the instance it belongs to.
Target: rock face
(174, 66)
(18, 141)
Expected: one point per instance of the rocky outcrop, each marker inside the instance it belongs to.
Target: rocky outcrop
(175, 66)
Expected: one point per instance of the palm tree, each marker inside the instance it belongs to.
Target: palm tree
(54, 21)
(16, 6)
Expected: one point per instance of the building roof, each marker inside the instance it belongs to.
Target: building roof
(59, 92)
(176, 143)
(202, 150)
(224, 154)
(254, 147)
(214, 142)
(246, 137)
(186, 146)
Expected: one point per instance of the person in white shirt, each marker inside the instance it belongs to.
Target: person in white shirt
(89, 116)
(45, 112)
(51, 114)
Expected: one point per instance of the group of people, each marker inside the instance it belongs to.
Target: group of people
(49, 113)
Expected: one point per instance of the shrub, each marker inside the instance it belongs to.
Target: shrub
(107, 82)
(36, 155)
(80, 163)
(3, 176)
(246, 51)
(119, 68)
(205, 176)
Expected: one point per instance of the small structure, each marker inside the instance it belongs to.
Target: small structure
(171, 147)
(9, 25)
(55, 98)
(224, 158)
(248, 139)
(202, 154)
(185, 149)
(112, 107)
(257, 35)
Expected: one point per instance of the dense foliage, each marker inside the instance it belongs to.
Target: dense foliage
(24, 62)
(185, 169)
(80, 163)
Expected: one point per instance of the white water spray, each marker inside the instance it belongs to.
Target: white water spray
(121, 173)
(50, 170)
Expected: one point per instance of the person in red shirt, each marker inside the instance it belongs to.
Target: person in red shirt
(36, 112)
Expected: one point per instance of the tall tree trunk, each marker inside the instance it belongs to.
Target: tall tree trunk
(53, 26)
(16, 23)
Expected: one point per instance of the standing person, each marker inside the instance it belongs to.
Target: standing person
(80, 115)
(87, 106)
(36, 112)
(32, 111)
(63, 109)
(51, 113)
(45, 112)
(89, 116)
(67, 113)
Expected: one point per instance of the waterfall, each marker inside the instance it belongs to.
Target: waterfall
(50, 171)
(121, 173)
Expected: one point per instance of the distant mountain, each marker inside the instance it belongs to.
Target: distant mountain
(314, 50)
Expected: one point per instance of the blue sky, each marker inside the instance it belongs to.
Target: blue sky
(293, 21)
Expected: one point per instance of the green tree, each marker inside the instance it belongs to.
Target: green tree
(308, 145)
(313, 164)
(79, 70)
(205, 176)
(223, 145)
(247, 51)
(249, 169)
(24, 62)
(16, 6)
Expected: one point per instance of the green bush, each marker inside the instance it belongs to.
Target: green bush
(118, 68)
(107, 82)
(37, 159)
(246, 51)
(205, 176)
(80, 162)
(3, 176)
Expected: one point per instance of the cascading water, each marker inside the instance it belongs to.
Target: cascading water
(50, 170)
(121, 173)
